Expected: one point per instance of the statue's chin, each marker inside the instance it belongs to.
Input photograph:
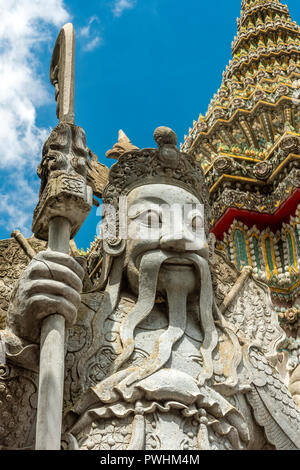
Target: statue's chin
(177, 277)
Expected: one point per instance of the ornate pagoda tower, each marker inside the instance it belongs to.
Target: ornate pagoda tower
(248, 144)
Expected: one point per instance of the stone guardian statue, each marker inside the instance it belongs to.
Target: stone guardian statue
(163, 352)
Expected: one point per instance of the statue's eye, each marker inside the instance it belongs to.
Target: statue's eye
(150, 218)
(197, 223)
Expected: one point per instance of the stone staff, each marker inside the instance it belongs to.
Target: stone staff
(65, 201)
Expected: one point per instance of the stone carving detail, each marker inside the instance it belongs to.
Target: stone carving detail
(63, 172)
(223, 164)
(253, 317)
(224, 277)
(275, 396)
(106, 435)
(123, 145)
(290, 144)
(262, 170)
(17, 408)
(97, 176)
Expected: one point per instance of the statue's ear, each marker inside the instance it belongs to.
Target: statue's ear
(114, 247)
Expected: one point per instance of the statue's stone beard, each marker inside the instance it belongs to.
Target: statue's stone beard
(122, 379)
(155, 267)
(125, 383)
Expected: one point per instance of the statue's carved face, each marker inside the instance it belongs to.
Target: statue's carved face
(170, 219)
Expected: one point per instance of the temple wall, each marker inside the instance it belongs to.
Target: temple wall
(274, 256)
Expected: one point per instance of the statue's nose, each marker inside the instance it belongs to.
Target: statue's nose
(184, 241)
(179, 241)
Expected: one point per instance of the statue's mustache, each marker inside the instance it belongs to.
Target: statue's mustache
(148, 275)
(137, 254)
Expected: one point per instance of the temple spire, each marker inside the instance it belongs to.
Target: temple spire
(262, 23)
(248, 4)
(265, 65)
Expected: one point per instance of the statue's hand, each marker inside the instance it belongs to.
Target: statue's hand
(51, 284)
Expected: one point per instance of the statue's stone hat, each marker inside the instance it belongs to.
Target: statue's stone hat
(165, 165)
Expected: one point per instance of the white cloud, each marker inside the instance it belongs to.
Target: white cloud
(86, 30)
(20, 195)
(121, 5)
(25, 28)
(93, 44)
(86, 33)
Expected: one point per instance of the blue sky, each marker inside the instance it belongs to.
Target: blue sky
(139, 64)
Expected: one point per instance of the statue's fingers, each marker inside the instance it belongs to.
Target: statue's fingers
(82, 261)
(48, 270)
(63, 259)
(238, 422)
(49, 287)
(41, 306)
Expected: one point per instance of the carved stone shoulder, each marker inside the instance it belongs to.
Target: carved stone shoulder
(272, 404)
